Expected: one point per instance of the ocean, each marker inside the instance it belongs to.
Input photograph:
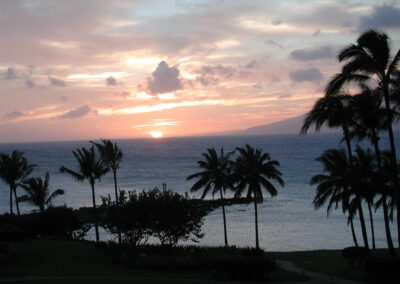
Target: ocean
(287, 222)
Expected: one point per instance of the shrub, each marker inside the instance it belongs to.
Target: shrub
(11, 232)
(355, 255)
(383, 267)
(5, 254)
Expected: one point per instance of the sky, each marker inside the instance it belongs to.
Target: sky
(76, 70)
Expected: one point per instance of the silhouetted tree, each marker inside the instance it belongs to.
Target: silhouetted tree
(215, 177)
(38, 192)
(13, 170)
(90, 168)
(255, 170)
(370, 60)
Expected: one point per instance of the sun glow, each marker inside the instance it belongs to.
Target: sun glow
(156, 134)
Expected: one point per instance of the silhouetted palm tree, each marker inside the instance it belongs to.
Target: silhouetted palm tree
(112, 156)
(369, 119)
(38, 192)
(254, 169)
(13, 170)
(215, 177)
(90, 168)
(337, 186)
(370, 60)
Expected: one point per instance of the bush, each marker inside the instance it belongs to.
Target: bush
(247, 268)
(5, 254)
(383, 267)
(355, 255)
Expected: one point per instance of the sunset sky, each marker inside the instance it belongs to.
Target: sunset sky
(121, 69)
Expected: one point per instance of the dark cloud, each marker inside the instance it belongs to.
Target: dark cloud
(111, 81)
(272, 43)
(79, 112)
(316, 33)
(14, 114)
(257, 86)
(384, 16)
(304, 75)
(165, 79)
(64, 98)
(29, 83)
(285, 96)
(312, 54)
(251, 64)
(123, 95)
(57, 82)
(209, 74)
(10, 74)
(277, 22)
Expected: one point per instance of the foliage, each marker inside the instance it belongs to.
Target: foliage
(11, 232)
(165, 215)
(355, 255)
(38, 192)
(383, 267)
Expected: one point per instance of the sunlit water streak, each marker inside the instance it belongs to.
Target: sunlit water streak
(286, 222)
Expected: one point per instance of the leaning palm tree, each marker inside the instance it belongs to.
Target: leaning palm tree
(215, 177)
(90, 168)
(38, 193)
(112, 156)
(335, 185)
(370, 60)
(254, 170)
(13, 170)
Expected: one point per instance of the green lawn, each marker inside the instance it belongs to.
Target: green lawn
(81, 262)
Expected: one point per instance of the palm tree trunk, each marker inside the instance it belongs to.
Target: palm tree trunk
(16, 201)
(353, 233)
(11, 201)
(116, 200)
(224, 217)
(96, 224)
(384, 204)
(363, 228)
(387, 228)
(372, 225)
(256, 221)
(392, 151)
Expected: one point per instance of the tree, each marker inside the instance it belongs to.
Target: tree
(369, 119)
(216, 176)
(370, 60)
(336, 186)
(38, 192)
(112, 156)
(90, 168)
(255, 170)
(13, 170)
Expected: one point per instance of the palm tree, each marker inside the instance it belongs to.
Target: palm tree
(38, 193)
(90, 168)
(13, 170)
(215, 176)
(337, 186)
(112, 156)
(255, 169)
(370, 60)
(334, 111)
(369, 119)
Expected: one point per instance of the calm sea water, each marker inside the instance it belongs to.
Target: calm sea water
(287, 222)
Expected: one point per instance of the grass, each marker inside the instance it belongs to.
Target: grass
(81, 262)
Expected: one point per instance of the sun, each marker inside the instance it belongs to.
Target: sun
(156, 134)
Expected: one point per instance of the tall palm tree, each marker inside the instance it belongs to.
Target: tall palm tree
(370, 60)
(333, 111)
(369, 119)
(90, 168)
(215, 176)
(255, 170)
(337, 186)
(38, 193)
(112, 156)
(13, 170)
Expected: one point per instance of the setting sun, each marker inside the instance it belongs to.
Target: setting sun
(156, 134)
